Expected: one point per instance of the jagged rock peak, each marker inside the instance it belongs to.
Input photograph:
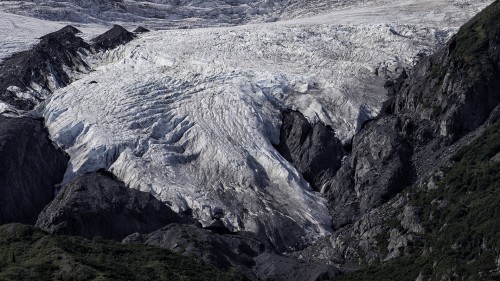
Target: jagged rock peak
(112, 38)
(68, 29)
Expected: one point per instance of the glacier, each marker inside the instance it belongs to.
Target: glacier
(191, 115)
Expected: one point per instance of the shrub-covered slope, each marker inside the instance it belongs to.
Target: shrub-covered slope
(27, 253)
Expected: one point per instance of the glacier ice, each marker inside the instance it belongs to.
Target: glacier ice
(191, 116)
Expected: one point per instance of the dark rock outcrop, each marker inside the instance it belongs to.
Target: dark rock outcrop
(43, 63)
(280, 268)
(112, 38)
(222, 251)
(313, 149)
(378, 168)
(140, 29)
(30, 166)
(97, 204)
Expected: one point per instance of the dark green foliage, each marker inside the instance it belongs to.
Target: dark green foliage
(473, 39)
(27, 253)
(472, 51)
(462, 218)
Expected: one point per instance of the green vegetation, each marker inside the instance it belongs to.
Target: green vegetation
(474, 38)
(462, 217)
(27, 253)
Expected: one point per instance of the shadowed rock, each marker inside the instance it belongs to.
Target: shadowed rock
(97, 204)
(313, 149)
(378, 168)
(30, 166)
(112, 38)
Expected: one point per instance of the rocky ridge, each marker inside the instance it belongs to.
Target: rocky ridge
(314, 150)
(27, 78)
(444, 104)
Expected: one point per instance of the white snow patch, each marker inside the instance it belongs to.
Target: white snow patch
(19, 33)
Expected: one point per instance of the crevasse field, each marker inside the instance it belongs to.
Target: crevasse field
(191, 115)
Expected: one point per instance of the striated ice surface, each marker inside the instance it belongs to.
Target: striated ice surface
(191, 116)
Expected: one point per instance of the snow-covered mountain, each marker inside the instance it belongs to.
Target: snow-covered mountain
(192, 115)
(153, 13)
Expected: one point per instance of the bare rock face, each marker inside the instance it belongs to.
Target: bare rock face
(97, 204)
(312, 148)
(378, 168)
(112, 38)
(452, 92)
(30, 167)
(42, 69)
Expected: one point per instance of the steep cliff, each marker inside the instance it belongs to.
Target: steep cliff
(30, 167)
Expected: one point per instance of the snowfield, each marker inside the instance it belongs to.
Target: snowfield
(19, 33)
(191, 116)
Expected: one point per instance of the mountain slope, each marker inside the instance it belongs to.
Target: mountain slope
(437, 222)
(461, 221)
(193, 116)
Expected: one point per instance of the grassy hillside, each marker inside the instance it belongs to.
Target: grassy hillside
(27, 253)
